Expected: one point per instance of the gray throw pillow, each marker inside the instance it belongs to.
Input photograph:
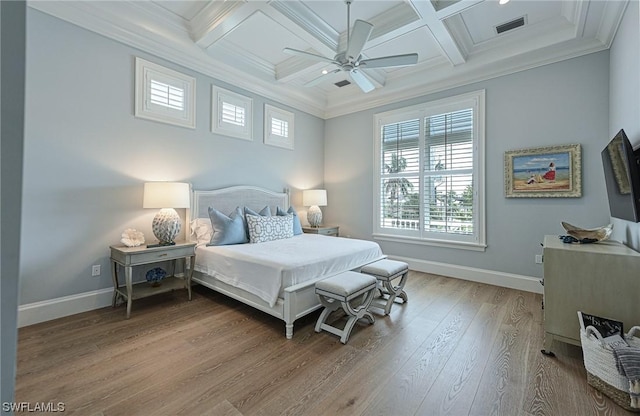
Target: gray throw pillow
(227, 229)
(262, 229)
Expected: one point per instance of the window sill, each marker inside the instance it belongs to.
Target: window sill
(431, 242)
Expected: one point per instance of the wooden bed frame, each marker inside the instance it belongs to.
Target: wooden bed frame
(299, 300)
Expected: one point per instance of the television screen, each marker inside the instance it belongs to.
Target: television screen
(622, 178)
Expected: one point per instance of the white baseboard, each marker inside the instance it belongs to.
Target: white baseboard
(33, 313)
(491, 277)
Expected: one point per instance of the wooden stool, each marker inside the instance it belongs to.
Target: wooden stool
(340, 290)
(386, 271)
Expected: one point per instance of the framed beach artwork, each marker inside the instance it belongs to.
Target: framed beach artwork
(543, 172)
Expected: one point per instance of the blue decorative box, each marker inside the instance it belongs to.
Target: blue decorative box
(155, 276)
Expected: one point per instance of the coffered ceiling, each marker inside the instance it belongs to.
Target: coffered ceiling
(242, 42)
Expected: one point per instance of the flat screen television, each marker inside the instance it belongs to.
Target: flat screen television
(622, 177)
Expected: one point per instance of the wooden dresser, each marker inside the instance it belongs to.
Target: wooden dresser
(600, 279)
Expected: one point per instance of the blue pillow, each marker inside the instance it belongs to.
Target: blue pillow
(297, 226)
(227, 229)
(264, 212)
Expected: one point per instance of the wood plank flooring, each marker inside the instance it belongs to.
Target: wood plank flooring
(456, 348)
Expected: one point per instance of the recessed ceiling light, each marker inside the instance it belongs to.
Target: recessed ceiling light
(504, 1)
(325, 72)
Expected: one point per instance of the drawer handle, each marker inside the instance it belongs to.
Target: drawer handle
(162, 255)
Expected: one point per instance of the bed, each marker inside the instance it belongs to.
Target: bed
(276, 277)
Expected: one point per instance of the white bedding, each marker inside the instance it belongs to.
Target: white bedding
(265, 269)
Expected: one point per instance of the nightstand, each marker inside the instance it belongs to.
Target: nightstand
(322, 230)
(129, 257)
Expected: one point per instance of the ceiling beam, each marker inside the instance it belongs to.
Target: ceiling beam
(219, 18)
(445, 40)
(456, 8)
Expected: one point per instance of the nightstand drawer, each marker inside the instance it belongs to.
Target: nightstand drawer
(322, 230)
(152, 255)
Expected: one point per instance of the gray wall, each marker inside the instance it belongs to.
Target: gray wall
(87, 156)
(12, 74)
(624, 96)
(562, 103)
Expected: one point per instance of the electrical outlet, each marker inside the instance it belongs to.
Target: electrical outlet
(95, 270)
(538, 258)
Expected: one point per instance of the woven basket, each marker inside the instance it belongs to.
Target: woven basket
(601, 366)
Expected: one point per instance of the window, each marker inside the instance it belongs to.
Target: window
(232, 114)
(429, 166)
(164, 95)
(278, 127)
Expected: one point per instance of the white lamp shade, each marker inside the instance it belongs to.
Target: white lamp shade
(316, 197)
(166, 195)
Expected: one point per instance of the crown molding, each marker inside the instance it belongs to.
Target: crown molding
(443, 77)
(178, 48)
(169, 37)
(611, 18)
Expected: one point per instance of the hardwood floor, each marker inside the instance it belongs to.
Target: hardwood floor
(456, 348)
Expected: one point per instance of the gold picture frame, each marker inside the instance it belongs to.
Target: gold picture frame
(543, 172)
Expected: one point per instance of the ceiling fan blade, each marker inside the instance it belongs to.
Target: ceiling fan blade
(308, 55)
(390, 61)
(361, 80)
(359, 36)
(321, 78)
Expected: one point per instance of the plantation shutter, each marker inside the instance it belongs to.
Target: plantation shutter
(233, 114)
(400, 175)
(166, 95)
(448, 173)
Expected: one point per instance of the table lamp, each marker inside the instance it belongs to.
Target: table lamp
(166, 196)
(314, 199)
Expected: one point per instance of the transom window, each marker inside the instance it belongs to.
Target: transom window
(164, 95)
(232, 114)
(430, 173)
(279, 127)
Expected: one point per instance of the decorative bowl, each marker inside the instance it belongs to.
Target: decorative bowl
(593, 234)
(155, 276)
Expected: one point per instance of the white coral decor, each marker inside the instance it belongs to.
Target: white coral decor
(132, 238)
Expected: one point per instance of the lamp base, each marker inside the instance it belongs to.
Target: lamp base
(166, 226)
(314, 216)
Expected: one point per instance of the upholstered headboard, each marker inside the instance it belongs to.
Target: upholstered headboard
(227, 199)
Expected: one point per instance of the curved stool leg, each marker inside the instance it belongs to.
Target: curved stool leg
(356, 313)
(330, 305)
(394, 291)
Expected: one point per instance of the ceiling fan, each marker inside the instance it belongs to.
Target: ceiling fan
(351, 60)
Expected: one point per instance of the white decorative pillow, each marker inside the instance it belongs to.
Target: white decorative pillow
(201, 228)
(263, 229)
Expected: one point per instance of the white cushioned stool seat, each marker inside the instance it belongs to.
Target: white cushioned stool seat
(340, 290)
(386, 271)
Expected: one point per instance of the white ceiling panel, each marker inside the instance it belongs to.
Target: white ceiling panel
(334, 12)
(482, 19)
(418, 41)
(262, 37)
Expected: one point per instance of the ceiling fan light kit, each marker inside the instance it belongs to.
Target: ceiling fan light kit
(351, 60)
